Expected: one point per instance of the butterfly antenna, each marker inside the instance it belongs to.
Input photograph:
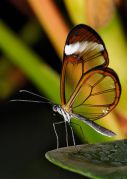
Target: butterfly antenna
(37, 95)
(30, 101)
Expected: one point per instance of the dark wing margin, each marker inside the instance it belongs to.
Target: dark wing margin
(96, 127)
(84, 50)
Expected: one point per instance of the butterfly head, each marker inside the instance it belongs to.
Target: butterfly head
(63, 112)
(57, 108)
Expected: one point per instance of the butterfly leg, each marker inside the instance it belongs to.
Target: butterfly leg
(57, 138)
(73, 137)
(66, 134)
(80, 128)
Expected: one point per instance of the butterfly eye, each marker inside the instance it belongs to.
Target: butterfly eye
(55, 108)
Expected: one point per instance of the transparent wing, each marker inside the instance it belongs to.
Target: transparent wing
(84, 51)
(96, 94)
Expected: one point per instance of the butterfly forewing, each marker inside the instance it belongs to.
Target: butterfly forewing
(84, 50)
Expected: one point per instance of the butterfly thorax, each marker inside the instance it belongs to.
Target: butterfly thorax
(58, 108)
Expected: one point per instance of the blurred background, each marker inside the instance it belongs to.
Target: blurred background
(32, 37)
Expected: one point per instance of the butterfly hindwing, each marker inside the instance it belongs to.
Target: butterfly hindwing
(96, 94)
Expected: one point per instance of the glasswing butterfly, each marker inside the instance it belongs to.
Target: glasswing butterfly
(89, 89)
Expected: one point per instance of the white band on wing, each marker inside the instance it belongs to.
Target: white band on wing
(79, 47)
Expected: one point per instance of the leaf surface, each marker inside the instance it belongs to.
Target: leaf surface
(104, 160)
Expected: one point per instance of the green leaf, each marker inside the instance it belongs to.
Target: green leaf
(104, 160)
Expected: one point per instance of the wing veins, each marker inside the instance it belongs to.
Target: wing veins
(93, 57)
(104, 91)
(88, 52)
(84, 99)
(90, 91)
(90, 113)
(97, 105)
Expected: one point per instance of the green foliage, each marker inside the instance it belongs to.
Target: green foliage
(30, 63)
(106, 160)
